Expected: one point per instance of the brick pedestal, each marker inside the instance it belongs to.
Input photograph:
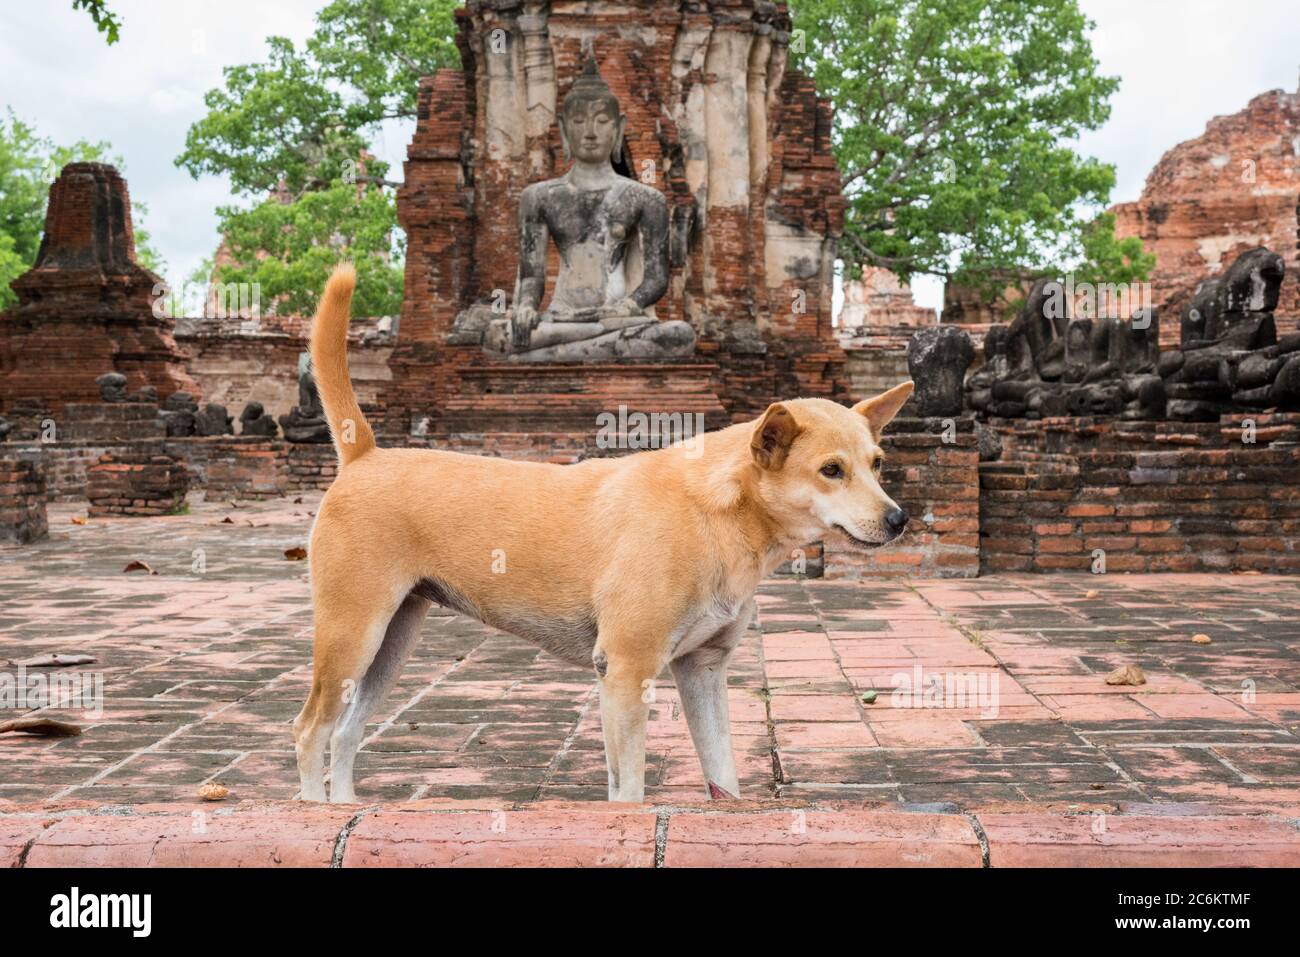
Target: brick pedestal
(109, 422)
(234, 466)
(136, 484)
(22, 500)
(310, 465)
(931, 471)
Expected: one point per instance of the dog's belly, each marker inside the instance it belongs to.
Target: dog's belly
(572, 640)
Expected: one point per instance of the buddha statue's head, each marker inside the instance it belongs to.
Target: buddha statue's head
(591, 122)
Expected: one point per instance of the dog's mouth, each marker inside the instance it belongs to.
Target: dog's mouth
(859, 542)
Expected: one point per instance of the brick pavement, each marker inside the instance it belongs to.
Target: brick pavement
(489, 750)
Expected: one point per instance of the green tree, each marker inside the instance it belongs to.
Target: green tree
(1108, 258)
(106, 21)
(298, 124)
(287, 249)
(953, 129)
(29, 164)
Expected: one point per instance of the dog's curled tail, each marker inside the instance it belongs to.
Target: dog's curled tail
(352, 434)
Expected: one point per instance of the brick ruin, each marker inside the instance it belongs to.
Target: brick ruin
(738, 144)
(86, 307)
(1212, 198)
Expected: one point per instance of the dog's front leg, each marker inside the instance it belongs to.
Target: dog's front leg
(626, 693)
(701, 679)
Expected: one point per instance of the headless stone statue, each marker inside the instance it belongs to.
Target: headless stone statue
(1229, 355)
(937, 359)
(305, 422)
(606, 228)
(254, 421)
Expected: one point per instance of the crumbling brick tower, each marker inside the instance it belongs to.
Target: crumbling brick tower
(86, 307)
(1211, 198)
(738, 144)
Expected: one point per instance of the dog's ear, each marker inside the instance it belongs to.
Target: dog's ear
(881, 410)
(773, 436)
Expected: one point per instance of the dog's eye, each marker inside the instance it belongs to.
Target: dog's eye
(832, 470)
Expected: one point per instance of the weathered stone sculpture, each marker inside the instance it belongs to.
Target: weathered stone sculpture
(112, 387)
(1024, 361)
(612, 236)
(1118, 366)
(937, 359)
(979, 387)
(213, 419)
(179, 413)
(305, 422)
(1044, 364)
(1229, 353)
(254, 421)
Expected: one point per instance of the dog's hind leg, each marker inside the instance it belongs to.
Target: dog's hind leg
(349, 631)
(399, 640)
(701, 678)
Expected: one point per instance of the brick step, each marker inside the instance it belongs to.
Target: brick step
(551, 834)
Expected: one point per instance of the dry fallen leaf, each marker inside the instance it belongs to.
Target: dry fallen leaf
(138, 566)
(297, 501)
(1127, 675)
(45, 727)
(1201, 639)
(227, 521)
(78, 520)
(1091, 593)
(295, 554)
(214, 792)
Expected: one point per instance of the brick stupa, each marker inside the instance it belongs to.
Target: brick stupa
(738, 144)
(86, 307)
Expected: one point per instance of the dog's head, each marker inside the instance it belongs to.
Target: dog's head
(818, 468)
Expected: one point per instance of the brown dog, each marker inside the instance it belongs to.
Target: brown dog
(626, 565)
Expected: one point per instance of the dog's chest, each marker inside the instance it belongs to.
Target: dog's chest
(708, 623)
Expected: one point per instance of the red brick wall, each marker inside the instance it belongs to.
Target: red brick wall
(1151, 496)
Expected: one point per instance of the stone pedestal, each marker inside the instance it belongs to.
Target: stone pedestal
(22, 500)
(571, 398)
(136, 484)
(110, 422)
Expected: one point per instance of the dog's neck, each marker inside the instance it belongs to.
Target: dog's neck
(724, 480)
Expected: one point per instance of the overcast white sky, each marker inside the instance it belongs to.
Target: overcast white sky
(1180, 61)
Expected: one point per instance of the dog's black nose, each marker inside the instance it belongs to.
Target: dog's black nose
(896, 520)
